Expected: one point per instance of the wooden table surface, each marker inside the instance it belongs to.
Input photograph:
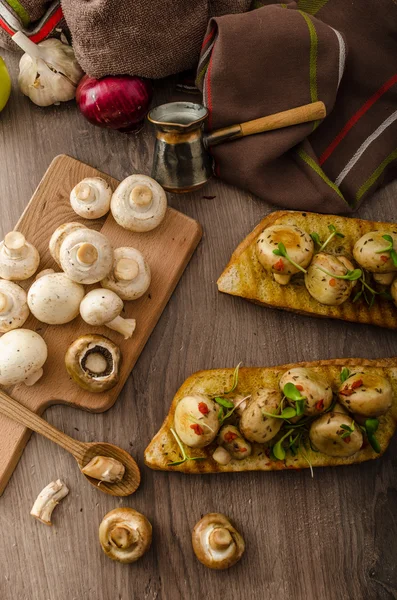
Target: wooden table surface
(331, 537)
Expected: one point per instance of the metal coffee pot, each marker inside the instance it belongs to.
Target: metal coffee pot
(181, 162)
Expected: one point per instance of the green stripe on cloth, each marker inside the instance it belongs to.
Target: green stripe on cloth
(317, 169)
(20, 11)
(313, 61)
(311, 6)
(375, 175)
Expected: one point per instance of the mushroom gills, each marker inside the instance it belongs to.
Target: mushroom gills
(93, 362)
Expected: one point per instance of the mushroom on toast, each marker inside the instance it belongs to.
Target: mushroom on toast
(325, 279)
(335, 434)
(255, 424)
(372, 253)
(196, 420)
(315, 391)
(367, 394)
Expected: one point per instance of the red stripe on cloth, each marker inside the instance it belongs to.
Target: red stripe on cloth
(208, 38)
(48, 26)
(356, 117)
(4, 26)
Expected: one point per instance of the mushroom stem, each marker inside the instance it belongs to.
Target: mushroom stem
(96, 363)
(47, 500)
(124, 326)
(14, 244)
(34, 377)
(84, 192)
(141, 195)
(220, 538)
(123, 537)
(126, 269)
(5, 303)
(281, 279)
(87, 254)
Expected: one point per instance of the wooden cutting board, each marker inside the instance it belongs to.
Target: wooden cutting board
(167, 249)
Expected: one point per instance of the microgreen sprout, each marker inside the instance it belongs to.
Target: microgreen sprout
(234, 380)
(224, 403)
(369, 293)
(185, 457)
(344, 374)
(286, 413)
(291, 392)
(278, 448)
(347, 430)
(282, 251)
(349, 275)
(334, 232)
(389, 248)
(371, 426)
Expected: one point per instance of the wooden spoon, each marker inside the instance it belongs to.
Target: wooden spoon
(82, 452)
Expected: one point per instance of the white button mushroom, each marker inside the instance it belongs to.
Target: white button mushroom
(336, 434)
(216, 543)
(368, 394)
(231, 439)
(59, 236)
(13, 306)
(125, 535)
(130, 277)
(196, 420)
(90, 198)
(54, 298)
(139, 203)
(47, 500)
(299, 247)
(368, 253)
(86, 256)
(19, 260)
(103, 307)
(22, 355)
(316, 391)
(254, 424)
(326, 288)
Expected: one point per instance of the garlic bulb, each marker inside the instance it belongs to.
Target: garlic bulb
(48, 72)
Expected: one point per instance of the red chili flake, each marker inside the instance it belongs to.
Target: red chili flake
(384, 258)
(320, 405)
(347, 439)
(203, 408)
(332, 282)
(230, 436)
(357, 384)
(299, 387)
(243, 450)
(346, 391)
(279, 266)
(198, 430)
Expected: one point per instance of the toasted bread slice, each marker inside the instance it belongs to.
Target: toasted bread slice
(163, 449)
(245, 277)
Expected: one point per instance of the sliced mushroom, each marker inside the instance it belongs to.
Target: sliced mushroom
(54, 298)
(90, 198)
(216, 543)
(104, 468)
(298, 244)
(19, 260)
(59, 236)
(13, 306)
(93, 362)
(368, 394)
(47, 500)
(328, 435)
(86, 256)
(327, 288)
(222, 456)
(139, 203)
(22, 355)
(130, 276)
(231, 439)
(196, 420)
(103, 307)
(125, 535)
(254, 424)
(367, 252)
(316, 390)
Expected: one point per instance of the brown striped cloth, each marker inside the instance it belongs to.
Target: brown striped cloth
(280, 56)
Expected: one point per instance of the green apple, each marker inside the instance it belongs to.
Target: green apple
(5, 84)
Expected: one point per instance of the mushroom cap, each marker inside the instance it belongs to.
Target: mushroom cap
(216, 543)
(84, 365)
(22, 353)
(55, 299)
(368, 394)
(326, 435)
(59, 236)
(86, 256)
(125, 535)
(90, 198)
(231, 439)
(13, 306)
(297, 242)
(323, 287)
(366, 248)
(393, 291)
(139, 203)
(100, 306)
(196, 420)
(254, 425)
(130, 277)
(19, 260)
(313, 387)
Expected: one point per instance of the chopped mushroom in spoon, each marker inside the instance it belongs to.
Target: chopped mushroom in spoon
(298, 244)
(196, 420)
(366, 393)
(90, 198)
(13, 306)
(103, 307)
(368, 253)
(326, 288)
(125, 535)
(19, 260)
(139, 203)
(336, 434)
(130, 277)
(86, 256)
(216, 543)
(104, 468)
(22, 355)
(54, 298)
(316, 390)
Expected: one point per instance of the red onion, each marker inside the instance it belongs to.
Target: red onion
(120, 102)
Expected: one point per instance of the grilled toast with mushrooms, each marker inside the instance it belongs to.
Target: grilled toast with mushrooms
(337, 280)
(333, 412)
